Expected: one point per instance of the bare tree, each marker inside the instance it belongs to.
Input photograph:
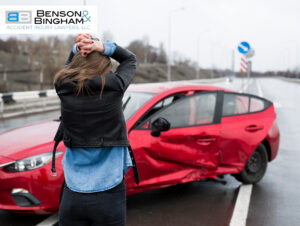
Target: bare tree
(162, 56)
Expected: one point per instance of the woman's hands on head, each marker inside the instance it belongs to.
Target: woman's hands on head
(86, 44)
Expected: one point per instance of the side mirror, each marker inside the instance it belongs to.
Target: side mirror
(159, 125)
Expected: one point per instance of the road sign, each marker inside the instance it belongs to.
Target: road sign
(244, 47)
(250, 53)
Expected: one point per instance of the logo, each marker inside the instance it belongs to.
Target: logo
(48, 19)
(85, 16)
(18, 17)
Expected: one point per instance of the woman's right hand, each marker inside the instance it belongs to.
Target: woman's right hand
(86, 44)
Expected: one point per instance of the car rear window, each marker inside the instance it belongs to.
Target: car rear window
(236, 104)
(256, 104)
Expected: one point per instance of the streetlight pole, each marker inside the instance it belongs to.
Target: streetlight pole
(198, 66)
(169, 41)
(42, 78)
(4, 76)
(232, 63)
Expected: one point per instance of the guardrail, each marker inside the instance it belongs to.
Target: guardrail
(29, 102)
(297, 80)
(1, 106)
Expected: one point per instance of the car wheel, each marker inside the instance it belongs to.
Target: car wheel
(255, 168)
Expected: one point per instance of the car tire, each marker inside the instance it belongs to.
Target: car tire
(255, 168)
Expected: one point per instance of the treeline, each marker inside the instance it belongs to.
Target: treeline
(45, 53)
(49, 53)
(146, 53)
(25, 60)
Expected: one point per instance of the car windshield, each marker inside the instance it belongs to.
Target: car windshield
(133, 101)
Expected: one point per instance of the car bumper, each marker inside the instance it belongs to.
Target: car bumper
(39, 191)
(273, 139)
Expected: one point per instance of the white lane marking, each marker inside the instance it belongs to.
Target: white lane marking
(53, 219)
(277, 105)
(249, 82)
(259, 89)
(245, 86)
(260, 93)
(240, 212)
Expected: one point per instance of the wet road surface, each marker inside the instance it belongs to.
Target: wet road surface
(12, 123)
(275, 201)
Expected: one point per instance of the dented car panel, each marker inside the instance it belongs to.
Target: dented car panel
(178, 132)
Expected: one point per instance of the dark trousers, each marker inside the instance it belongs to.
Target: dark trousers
(93, 209)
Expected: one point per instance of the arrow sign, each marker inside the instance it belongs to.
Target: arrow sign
(244, 47)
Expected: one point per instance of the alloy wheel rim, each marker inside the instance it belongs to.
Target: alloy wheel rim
(255, 162)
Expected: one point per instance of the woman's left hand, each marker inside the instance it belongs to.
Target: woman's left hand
(88, 45)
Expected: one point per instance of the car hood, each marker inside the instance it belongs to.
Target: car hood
(26, 138)
(4, 160)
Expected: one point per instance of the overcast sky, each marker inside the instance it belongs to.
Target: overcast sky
(270, 26)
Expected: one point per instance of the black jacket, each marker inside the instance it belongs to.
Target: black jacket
(87, 120)
(93, 122)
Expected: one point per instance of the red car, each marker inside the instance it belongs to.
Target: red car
(179, 133)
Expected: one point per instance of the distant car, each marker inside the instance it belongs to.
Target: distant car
(229, 79)
(179, 133)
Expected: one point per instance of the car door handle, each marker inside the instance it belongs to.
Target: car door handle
(253, 128)
(206, 141)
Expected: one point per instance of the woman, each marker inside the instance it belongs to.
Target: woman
(94, 131)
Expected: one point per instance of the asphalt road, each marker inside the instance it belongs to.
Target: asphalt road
(275, 201)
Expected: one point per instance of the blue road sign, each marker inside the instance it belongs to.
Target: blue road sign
(244, 47)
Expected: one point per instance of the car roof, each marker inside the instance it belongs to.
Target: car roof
(161, 87)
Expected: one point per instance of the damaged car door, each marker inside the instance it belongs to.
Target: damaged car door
(179, 143)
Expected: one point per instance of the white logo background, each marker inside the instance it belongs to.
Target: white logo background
(25, 24)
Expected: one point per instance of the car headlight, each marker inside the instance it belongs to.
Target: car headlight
(32, 162)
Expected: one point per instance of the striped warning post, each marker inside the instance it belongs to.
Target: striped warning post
(244, 65)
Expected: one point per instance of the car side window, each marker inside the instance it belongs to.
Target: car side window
(256, 104)
(204, 109)
(160, 105)
(193, 110)
(236, 104)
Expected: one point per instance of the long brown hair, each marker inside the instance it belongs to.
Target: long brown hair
(82, 68)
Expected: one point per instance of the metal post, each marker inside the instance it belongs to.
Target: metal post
(242, 75)
(169, 48)
(169, 42)
(1, 106)
(197, 52)
(297, 60)
(198, 72)
(42, 78)
(249, 70)
(146, 43)
(198, 66)
(5, 79)
(232, 65)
